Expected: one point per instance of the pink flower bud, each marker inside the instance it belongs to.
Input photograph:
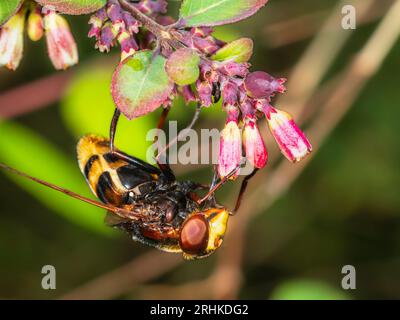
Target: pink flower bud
(234, 69)
(128, 45)
(61, 45)
(230, 149)
(232, 113)
(247, 108)
(208, 73)
(159, 6)
(206, 45)
(204, 90)
(101, 14)
(205, 70)
(12, 41)
(95, 31)
(131, 24)
(188, 94)
(35, 24)
(96, 21)
(260, 85)
(107, 38)
(165, 20)
(115, 14)
(167, 103)
(290, 139)
(229, 93)
(201, 32)
(186, 38)
(150, 7)
(254, 146)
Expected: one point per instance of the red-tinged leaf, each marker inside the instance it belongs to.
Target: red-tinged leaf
(218, 12)
(140, 84)
(7, 9)
(74, 7)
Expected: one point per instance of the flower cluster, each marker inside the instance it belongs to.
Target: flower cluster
(245, 96)
(202, 68)
(40, 21)
(112, 25)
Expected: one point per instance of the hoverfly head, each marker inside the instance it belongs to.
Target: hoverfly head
(202, 232)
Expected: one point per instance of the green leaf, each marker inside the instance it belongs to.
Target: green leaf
(30, 153)
(218, 12)
(87, 107)
(74, 7)
(239, 51)
(183, 66)
(303, 289)
(8, 8)
(140, 84)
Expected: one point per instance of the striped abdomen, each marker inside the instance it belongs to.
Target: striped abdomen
(113, 180)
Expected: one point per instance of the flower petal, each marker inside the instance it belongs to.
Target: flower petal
(290, 139)
(230, 149)
(256, 152)
(12, 41)
(61, 45)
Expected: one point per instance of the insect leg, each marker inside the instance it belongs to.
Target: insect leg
(219, 185)
(183, 132)
(163, 118)
(243, 188)
(215, 177)
(214, 181)
(163, 164)
(122, 155)
(113, 128)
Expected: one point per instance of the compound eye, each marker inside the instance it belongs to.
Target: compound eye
(194, 235)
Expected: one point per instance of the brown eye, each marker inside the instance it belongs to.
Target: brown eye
(194, 235)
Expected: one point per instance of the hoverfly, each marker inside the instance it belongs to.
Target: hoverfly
(163, 212)
(148, 202)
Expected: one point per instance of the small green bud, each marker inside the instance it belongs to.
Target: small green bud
(183, 66)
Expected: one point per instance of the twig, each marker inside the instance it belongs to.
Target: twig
(155, 28)
(34, 95)
(319, 56)
(297, 29)
(363, 67)
(122, 279)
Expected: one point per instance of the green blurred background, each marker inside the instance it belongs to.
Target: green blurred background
(344, 208)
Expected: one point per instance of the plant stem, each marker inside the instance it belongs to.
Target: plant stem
(157, 29)
(163, 34)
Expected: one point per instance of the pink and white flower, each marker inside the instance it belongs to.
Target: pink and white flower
(128, 45)
(290, 139)
(230, 147)
(256, 152)
(12, 41)
(61, 45)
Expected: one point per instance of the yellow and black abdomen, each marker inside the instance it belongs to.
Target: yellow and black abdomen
(112, 179)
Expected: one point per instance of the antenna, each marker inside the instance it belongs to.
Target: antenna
(123, 213)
